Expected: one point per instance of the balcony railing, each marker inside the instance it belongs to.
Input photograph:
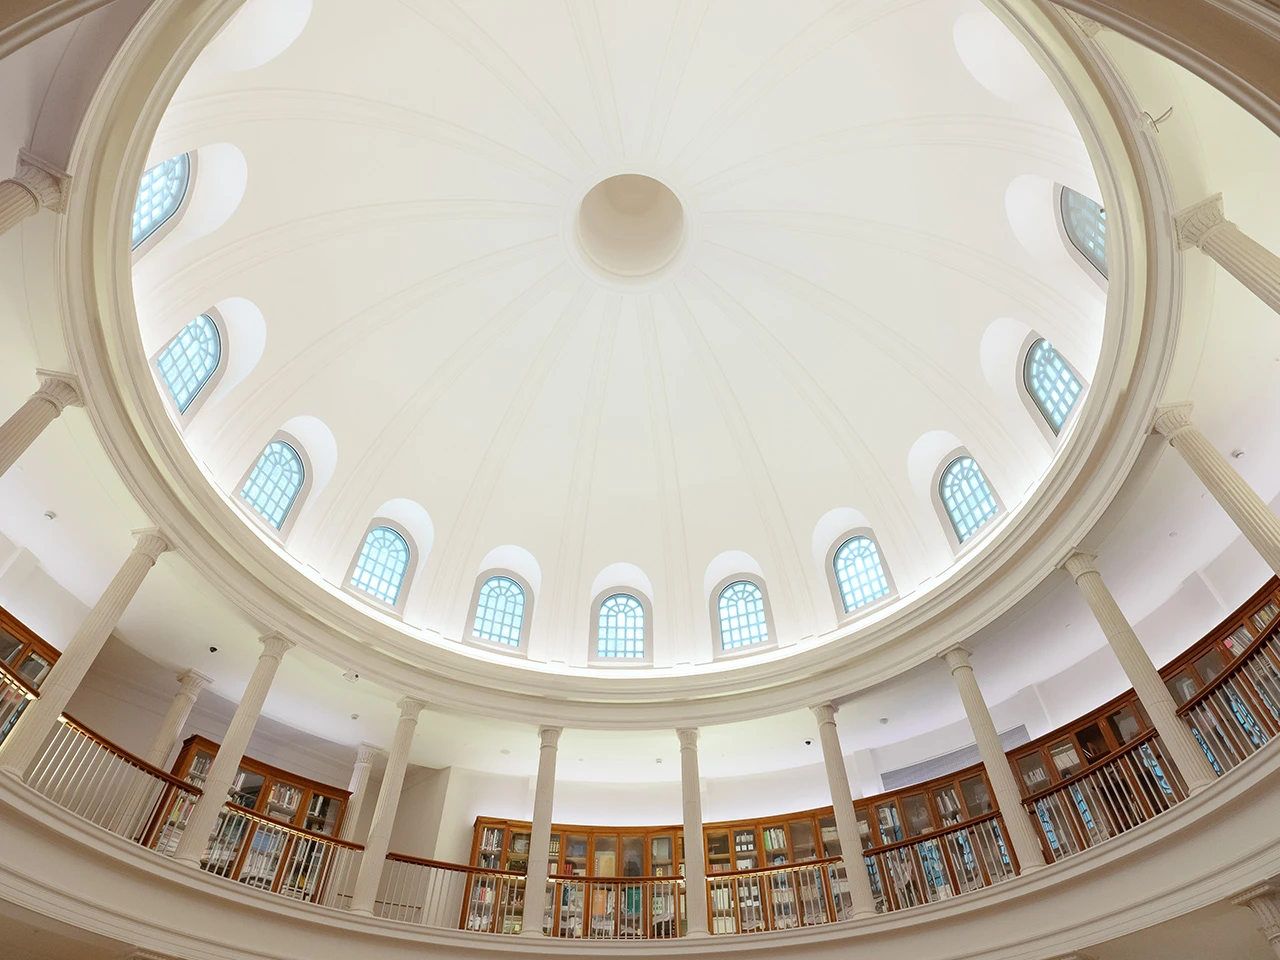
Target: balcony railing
(272, 856)
(89, 775)
(451, 896)
(1240, 710)
(616, 908)
(15, 694)
(940, 866)
(1097, 804)
(777, 898)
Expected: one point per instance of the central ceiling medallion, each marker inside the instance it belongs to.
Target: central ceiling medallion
(630, 229)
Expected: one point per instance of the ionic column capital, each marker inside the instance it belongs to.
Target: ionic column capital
(1172, 419)
(60, 389)
(1193, 224)
(688, 737)
(193, 681)
(49, 185)
(824, 712)
(366, 752)
(956, 658)
(410, 708)
(549, 736)
(150, 543)
(1079, 563)
(275, 645)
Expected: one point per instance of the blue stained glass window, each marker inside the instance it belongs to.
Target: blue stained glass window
(859, 573)
(274, 483)
(382, 565)
(189, 360)
(620, 627)
(499, 611)
(160, 194)
(1050, 382)
(742, 618)
(1086, 226)
(967, 497)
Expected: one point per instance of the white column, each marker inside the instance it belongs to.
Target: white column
(855, 868)
(695, 863)
(222, 772)
(1248, 511)
(384, 814)
(1142, 673)
(359, 788)
(1026, 841)
(57, 391)
(21, 746)
(1264, 901)
(34, 186)
(535, 884)
(1205, 225)
(192, 682)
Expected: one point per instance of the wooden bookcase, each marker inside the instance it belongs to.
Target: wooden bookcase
(269, 791)
(22, 653)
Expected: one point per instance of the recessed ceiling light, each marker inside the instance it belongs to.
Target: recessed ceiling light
(1236, 454)
(884, 719)
(355, 716)
(1173, 533)
(50, 515)
(505, 752)
(657, 759)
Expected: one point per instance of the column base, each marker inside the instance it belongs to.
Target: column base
(361, 911)
(188, 862)
(1199, 786)
(531, 932)
(1030, 868)
(697, 934)
(864, 914)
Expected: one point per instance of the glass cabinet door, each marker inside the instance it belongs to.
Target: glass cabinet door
(745, 855)
(575, 855)
(916, 810)
(1034, 773)
(977, 798)
(803, 843)
(864, 829)
(34, 669)
(1066, 758)
(829, 836)
(775, 845)
(322, 814)
(246, 788)
(1183, 687)
(10, 647)
(661, 857)
(518, 851)
(553, 856)
(632, 857)
(719, 855)
(283, 800)
(888, 822)
(948, 806)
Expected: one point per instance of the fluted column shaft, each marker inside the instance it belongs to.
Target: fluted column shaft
(1026, 842)
(1205, 226)
(695, 863)
(1142, 673)
(359, 788)
(22, 745)
(855, 868)
(384, 813)
(1248, 511)
(1264, 901)
(179, 710)
(222, 772)
(34, 185)
(57, 391)
(535, 884)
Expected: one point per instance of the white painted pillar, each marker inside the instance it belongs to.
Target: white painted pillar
(57, 391)
(535, 884)
(1025, 839)
(1142, 673)
(34, 186)
(855, 867)
(1248, 511)
(1264, 901)
(1205, 225)
(359, 788)
(21, 746)
(695, 862)
(384, 813)
(166, 737)
(222, 772)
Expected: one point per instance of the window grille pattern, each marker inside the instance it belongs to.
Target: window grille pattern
(189, 360)
(499, 611)
(274, 483)
(160, 193)
(620, 627)
(381, 567)
(1050, 382)
(967, 497)
(859, 573)
(742, 619)
(1086, 225)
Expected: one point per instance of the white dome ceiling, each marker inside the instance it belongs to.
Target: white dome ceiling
(408, 232)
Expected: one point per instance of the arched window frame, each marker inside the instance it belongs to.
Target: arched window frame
(833, 582)
(171, 221)
(717, 645)
(210, 385)
(945, 518)
(526, 622)
(299, 502)
(1085, 264)
(411, 568)
(593, 626)
(1029, 399)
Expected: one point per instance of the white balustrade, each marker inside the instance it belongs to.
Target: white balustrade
(616, 908)
(1239, 711)
(941, 865)
(777, 898)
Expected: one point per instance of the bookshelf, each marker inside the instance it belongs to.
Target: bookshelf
(22, 653)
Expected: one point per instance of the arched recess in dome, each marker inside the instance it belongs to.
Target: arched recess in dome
(314, 443)
(190, 364)
(500, 615)
(833, 530)
(256, 34)
(1033, 205)
(620, 578)
(410, 521)
(929, 456)
(218, 177)
(724, 570)
(1003, 354)
(994, 57)
(1082, 224)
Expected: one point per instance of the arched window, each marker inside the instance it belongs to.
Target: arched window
(274, 483)
(381, 567)
(1051, 383)
(742, 617)
(1085, 224)
(160, 194)
(499, 611)
(620, 627)
(859, 573)
(966, 496)
(189, 360)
